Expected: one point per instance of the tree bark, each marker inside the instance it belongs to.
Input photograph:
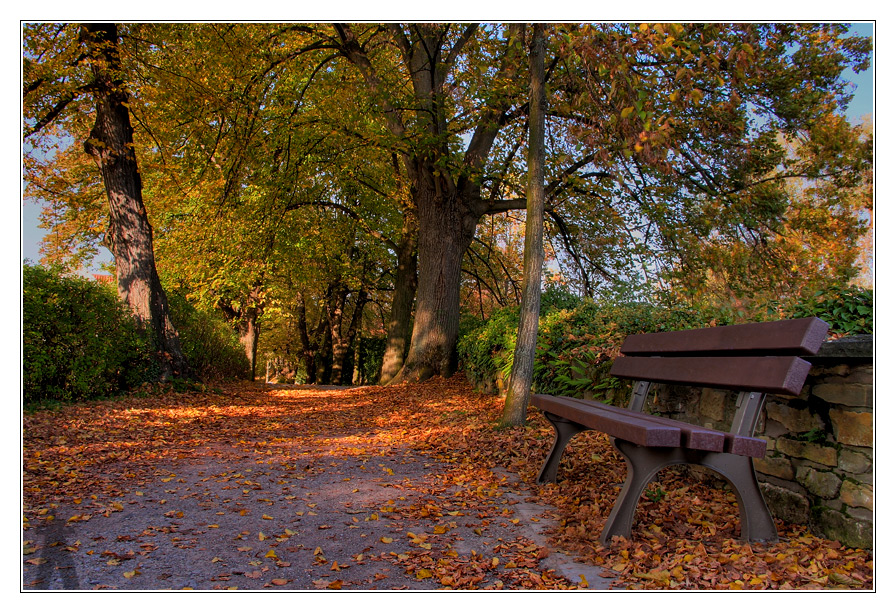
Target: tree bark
(342, 347)
(129, 236)
(447, 227)
(399, 326)
(517, 400)
(245, 322)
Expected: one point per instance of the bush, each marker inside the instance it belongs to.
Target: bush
(78, 340)
(210, 345)
(848, 310)
(577, 341)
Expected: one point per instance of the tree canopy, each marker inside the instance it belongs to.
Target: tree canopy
(299, 174)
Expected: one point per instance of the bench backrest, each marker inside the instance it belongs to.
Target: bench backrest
(760, 357)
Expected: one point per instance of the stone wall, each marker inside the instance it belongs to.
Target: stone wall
(819, 467)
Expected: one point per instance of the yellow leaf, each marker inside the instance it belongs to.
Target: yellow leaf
(131, 574)
(266, 517)
(386, 540)
(627, 111)
(335, 585)
(214, 526)
(262, 536)
(271, 554)
(424, 574)
(440, 530)
(318, 552)
(335, 566)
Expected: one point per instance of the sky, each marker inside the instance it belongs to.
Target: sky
(861, 105)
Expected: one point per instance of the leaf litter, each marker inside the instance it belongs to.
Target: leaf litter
(401, 487)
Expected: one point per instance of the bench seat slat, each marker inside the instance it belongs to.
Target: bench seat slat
(692, 436)
(606, 417)
(630, 428)
(789, 337)
(770, 374)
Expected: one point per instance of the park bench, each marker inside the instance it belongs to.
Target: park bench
(753, 359)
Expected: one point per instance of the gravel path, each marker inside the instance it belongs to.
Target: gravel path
(292, 517)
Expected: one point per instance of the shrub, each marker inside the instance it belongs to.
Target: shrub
(848, 310)
(78, 340)
(210, 345)
(577, 341)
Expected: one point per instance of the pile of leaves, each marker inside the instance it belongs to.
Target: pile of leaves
(685, 531)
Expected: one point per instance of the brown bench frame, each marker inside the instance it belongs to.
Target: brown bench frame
(755, 359)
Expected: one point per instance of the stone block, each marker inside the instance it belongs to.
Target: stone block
(786, 504)
(795, 420)
(712, 404)
(853, 428)
(780, 467)
(854, 462)
(848, 394)
(849, 531)
(857, 495)
(819, 454)
(821, 483)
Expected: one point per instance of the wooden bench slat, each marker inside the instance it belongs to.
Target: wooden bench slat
(692, 436)
(627, 427)
(770, 375)
(789, 337)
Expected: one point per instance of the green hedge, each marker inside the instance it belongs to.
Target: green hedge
(579, 338)
(209, 343)
(78, 340)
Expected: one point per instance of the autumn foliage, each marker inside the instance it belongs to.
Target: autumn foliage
(684, 535)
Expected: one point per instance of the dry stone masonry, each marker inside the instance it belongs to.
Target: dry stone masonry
(819, 467)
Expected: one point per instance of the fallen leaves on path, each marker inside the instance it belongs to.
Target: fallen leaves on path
(89, 456)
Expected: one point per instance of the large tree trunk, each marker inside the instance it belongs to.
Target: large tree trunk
(129, 236)
(517, 400)
(446, 230)
(399, 328)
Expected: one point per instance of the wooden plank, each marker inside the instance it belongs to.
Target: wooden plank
(788, 337)
(692, 435)
(770, 374)
(640, 432)
(745, 445)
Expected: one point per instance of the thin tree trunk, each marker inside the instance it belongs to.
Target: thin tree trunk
(129, 236)
(399, 327)
(304, 339)
(341, 350)
(517, 400)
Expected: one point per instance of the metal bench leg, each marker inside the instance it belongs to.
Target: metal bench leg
(564, 430)
(642, 464)
(756, 523)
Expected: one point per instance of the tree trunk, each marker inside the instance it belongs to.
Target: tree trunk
(341, 349)
(399, 327)
(446, 230)
(517, 400)
(129, 236)
(248, 330)
(244, 321)
(308, 349)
